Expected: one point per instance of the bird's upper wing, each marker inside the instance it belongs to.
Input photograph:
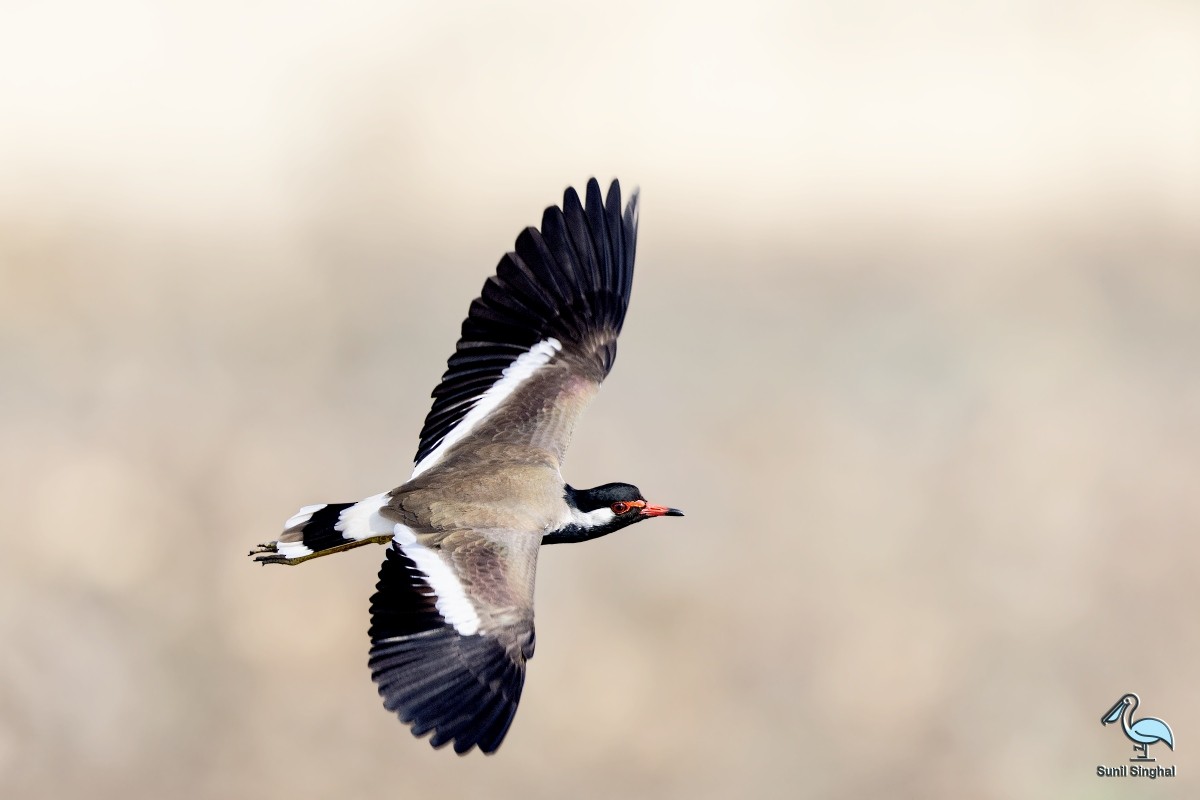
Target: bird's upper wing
(541, 337)
(451, 629)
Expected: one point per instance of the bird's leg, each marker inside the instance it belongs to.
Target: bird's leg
(268, 553)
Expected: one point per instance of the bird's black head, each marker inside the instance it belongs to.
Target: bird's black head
(602, 510)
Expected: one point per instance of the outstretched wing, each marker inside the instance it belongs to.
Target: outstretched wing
(451, 629)
(542, 336)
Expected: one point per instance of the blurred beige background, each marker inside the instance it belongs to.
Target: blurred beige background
(915, 342)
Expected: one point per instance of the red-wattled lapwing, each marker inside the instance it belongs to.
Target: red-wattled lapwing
(452, 617)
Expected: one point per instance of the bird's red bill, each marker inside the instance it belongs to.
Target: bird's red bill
(661, 511)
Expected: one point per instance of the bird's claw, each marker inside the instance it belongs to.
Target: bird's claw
(268, 553)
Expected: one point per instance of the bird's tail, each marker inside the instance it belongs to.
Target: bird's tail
(327, 528)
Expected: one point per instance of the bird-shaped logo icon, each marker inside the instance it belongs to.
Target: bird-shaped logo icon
(1143, 732)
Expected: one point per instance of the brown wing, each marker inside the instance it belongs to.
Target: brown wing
(451, 629)
(542, 336)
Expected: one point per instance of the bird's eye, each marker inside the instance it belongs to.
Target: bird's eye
(620, 508)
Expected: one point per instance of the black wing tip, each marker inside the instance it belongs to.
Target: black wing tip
(612, 198)
(455, 689)
(632, 206)
(593, 188)
(613, 233)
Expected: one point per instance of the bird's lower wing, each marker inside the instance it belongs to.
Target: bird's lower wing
(451, 629)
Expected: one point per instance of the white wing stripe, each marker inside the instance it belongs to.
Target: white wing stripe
(513, 376)
(452, 601)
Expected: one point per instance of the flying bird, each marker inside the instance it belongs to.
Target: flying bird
(452, 615)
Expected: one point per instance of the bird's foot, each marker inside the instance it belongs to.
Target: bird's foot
(268, 553)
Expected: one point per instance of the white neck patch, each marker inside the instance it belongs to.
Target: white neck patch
(513, 376)
(588, 519)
